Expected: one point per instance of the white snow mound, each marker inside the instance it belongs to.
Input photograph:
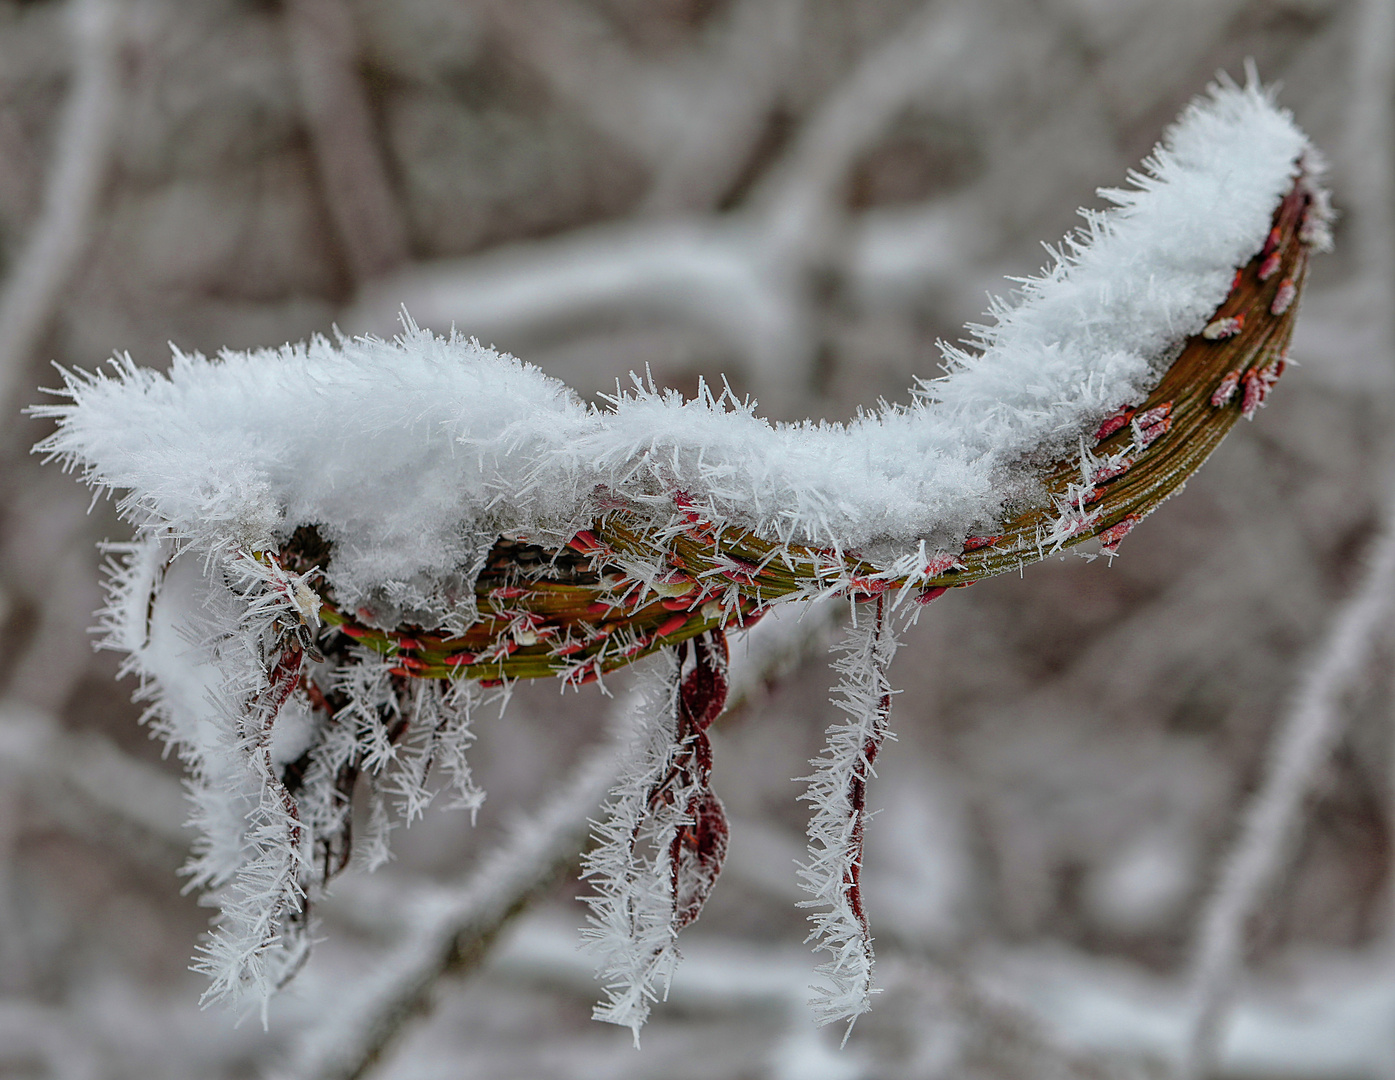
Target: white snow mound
(413, 455)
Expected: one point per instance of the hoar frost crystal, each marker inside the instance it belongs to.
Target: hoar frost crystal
(343, 549)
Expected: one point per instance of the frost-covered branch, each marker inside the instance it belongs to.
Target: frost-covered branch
(353, 536)
(30, 1033)
(33, 745)
(724, 120)
(693, 118)
(1368, 153)
(712, 273)
(1090, 732)
(806, 188)
(81, 157)
(1301, 744)
(569, 46)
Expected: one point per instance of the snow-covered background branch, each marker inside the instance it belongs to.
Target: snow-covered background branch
(1138, 818)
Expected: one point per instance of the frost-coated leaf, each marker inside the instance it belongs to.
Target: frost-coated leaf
(838, 793)
(663, 837)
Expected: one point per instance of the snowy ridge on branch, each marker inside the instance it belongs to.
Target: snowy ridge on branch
(1094, 331)
(411, 454)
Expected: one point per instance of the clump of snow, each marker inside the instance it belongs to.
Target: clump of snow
(405, 454)
(412, 455)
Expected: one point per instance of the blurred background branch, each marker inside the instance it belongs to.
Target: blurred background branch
(357, 190)
(80, 158)
(805, 195)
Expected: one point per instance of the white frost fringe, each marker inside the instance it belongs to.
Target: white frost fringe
(837, 789)
(220, 646)
(260, 937)
(630, 927)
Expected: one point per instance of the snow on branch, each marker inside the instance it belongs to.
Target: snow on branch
(316, 433)
(344, 548)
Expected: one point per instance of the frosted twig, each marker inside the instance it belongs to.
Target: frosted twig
(50, 662)
(710, 272)
(104, 777)
(1368, 158)
(81, 157)
(352, 174)
(745, 72)
(572, 48)
(29, 1031)
(235, 456)
(704, 270)
(631, 927)
(693, 118)
(1301, 744)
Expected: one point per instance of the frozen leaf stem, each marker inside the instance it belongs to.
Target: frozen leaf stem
(663, 838)
(838, 793)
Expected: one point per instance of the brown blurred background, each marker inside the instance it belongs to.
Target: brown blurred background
(805, 195)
